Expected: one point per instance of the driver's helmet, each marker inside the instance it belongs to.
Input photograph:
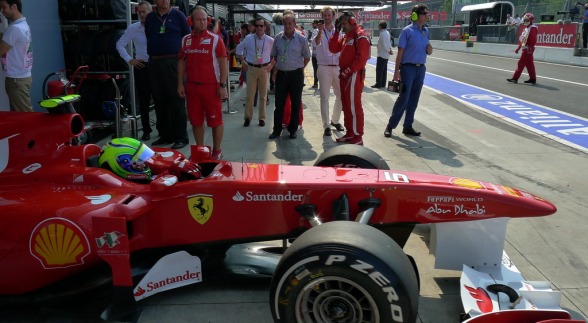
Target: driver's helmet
(529, 17)
(126, 157)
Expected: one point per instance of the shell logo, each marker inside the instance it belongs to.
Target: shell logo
(467, 183)
(59, 243)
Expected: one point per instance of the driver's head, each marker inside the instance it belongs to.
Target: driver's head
(126, 157)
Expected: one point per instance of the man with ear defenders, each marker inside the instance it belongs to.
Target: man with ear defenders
(355, 50)
(413, 48)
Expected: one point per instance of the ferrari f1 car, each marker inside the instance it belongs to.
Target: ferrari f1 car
(62, 217)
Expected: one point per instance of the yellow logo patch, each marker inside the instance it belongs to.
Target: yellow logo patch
(200, 207)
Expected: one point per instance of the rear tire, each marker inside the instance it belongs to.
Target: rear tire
(344, 271)
(351, 156)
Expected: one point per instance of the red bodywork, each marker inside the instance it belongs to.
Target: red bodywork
(59, 216)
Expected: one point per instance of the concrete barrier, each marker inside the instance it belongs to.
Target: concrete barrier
(543, 54)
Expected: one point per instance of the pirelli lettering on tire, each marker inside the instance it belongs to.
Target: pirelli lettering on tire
(307, 270)
(378, 278)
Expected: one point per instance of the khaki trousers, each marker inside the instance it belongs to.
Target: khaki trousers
(19, 93)
(257, 80)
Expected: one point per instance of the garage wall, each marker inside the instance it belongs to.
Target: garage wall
(43, 18)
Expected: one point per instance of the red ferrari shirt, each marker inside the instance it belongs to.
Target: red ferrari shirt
(201, 53)
(355, 49)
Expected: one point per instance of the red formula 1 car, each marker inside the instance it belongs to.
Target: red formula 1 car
(62, 217)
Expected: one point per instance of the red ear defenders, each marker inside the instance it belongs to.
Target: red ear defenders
(350, 18)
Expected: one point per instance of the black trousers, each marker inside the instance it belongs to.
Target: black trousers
(585, 35)
(288, 83)
(144, 95)
(381, 71)
(315, 69)
(170, 109)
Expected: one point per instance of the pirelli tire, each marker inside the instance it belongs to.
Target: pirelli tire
(351, 156)
(344, 271)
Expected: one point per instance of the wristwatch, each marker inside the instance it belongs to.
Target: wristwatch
(223, 85)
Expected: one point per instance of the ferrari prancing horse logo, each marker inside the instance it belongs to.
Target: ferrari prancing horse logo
(200, 207)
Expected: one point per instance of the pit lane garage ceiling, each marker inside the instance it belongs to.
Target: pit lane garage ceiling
(332, 3)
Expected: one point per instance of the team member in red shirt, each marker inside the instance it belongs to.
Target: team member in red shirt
(355, 51)
(203, 67)
(527, 42)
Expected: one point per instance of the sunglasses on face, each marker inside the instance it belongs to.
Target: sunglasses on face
(424, 13)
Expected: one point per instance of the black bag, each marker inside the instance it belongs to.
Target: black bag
(394, 86)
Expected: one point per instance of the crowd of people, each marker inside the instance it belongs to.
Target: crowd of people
(185, 61)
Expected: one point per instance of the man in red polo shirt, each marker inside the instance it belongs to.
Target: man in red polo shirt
(202, 66)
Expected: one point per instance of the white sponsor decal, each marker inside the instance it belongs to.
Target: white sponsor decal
(537, 117)
(450, 199)
(268, 197)
(99, 199)
(172, 271)
(459, 209)
(31, 168)
(396, 177)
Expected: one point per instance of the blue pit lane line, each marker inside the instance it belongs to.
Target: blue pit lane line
(559, 126)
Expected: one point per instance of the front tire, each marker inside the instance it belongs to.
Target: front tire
(351, 156)
(344, 271)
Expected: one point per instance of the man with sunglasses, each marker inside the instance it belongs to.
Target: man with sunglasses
(255, 53)
(413, 48)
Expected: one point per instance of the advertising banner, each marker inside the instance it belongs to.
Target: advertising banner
(555, 35)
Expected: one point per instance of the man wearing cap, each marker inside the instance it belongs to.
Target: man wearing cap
(355, 51)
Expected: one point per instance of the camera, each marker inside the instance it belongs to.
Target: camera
(321, 21)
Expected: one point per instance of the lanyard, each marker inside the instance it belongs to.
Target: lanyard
(326, 35)
(162, 28)
(257, 48)
(283, 58)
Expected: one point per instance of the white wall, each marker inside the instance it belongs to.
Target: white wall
(43, 18)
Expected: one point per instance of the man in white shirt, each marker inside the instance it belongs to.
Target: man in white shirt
(384, 52)
(17, 56)
(517, 20)
(328, 71)
(255, 51)
(136, 33)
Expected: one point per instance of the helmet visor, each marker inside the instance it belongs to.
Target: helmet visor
(142, 155)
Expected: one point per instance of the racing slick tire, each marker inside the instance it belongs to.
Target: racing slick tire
(351, 156)
(344, 271)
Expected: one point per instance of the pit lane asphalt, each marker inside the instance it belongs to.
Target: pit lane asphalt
(457, 140)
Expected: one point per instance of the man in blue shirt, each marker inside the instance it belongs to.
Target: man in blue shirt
(290, 53)
(413, 48)
(164, 28)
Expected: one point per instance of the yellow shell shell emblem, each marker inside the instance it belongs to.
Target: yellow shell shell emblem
(59, 243)
(467, 183)
(200, 207)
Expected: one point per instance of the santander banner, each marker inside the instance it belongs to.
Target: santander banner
(555, 35)
(367, 16)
